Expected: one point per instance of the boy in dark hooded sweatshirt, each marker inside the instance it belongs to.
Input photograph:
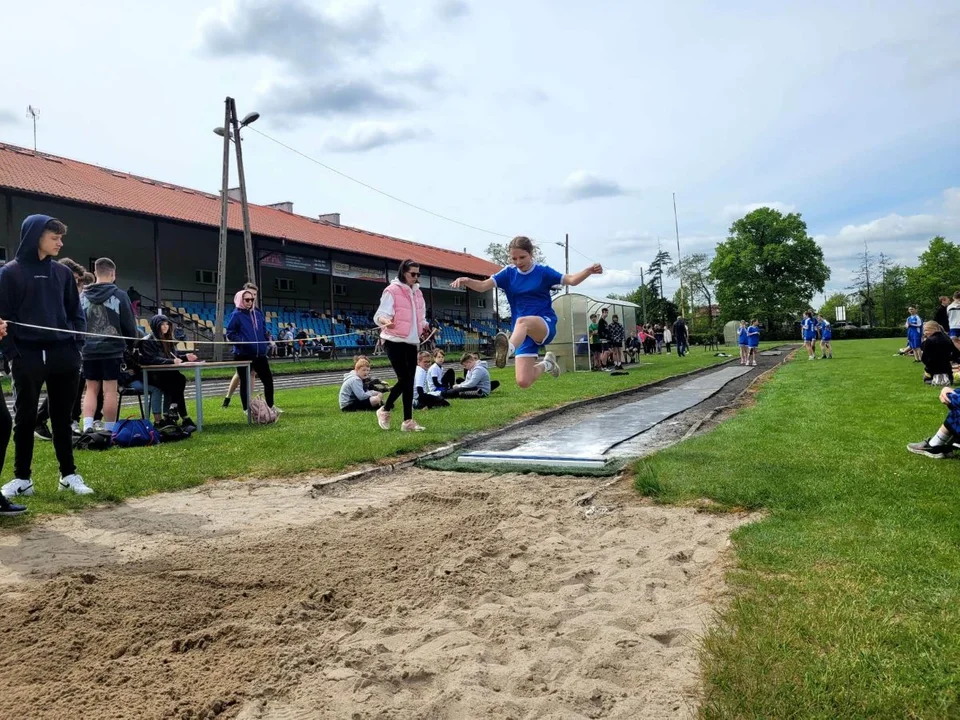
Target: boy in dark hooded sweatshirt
(248, 329)
(35, 290)
(109, 312)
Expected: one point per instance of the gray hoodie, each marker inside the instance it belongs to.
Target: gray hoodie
(352, 390)
(477, 378)
(109, 312)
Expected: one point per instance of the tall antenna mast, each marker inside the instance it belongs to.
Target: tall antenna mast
(33, 113)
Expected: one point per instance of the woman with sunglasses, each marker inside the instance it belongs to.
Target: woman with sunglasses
(402, 319)
(248, 329)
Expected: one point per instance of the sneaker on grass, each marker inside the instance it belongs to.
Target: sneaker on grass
(75, 428)
(17, 487)
(42, 432)
(383, 418)
(8, 509)
(501, 349)
(937, 452)
(411, 426)
(74, 482)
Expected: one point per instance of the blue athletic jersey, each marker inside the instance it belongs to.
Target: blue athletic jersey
(742, 336)
(753, 336)
(826, 332)
(809, 329)
(529, 293)
(914, 323)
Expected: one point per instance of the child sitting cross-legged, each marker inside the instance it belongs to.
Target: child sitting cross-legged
(353, 397)
(423, 396)
(477, 383)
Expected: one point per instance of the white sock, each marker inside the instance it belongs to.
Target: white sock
(512, 351)
(939, 439)
(87, 423)
(109, 426)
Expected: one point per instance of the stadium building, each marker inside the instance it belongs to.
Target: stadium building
(313, 272)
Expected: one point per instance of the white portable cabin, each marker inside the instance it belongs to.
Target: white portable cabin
(572, 344)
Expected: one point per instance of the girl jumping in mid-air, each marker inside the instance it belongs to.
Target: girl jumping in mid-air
(527, 287)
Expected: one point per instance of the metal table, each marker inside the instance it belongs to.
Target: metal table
(198, 368)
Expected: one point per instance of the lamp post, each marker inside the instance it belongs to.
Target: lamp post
(231, 131)
(566, 257)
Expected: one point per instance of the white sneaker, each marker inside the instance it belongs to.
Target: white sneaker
(75, 428)
(74, 482)
(411, 426)
(550, 364)
(17, 487)
(383, 418)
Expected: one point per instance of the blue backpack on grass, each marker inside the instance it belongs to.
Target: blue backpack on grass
(134, 432)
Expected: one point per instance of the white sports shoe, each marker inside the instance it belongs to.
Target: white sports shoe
(74, 482)
(550, 364)
(411, 426)
(17, 487)
(383, 418)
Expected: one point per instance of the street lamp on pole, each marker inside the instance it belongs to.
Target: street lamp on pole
(566, 257)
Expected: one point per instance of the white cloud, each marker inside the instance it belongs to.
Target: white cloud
(735, 212)
(452, 10)
(951, 200)
(364, 136)
(7, 117)
(584, 185)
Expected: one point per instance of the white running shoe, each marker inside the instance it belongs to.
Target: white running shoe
(550, 364)
(17, 487)
(411, 426)
(383, 417)
(501, 349)
(74, 482)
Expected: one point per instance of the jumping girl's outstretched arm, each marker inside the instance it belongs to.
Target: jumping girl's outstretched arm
(475, 285)
(574, 279)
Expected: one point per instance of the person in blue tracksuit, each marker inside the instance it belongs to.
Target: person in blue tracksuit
(248, 329)
(914, 333)
(809, 329)
(753, 341)
(826, 335)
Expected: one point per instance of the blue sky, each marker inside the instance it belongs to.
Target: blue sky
(537, 117)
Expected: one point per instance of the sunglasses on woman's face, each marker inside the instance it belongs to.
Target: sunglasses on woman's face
(248, 299)
(413, 274)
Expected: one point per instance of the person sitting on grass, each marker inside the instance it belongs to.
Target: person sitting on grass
(160, 348)
(938, 355)
(423, 396)
(440, 379)
(941, 445)
(914, 334)
(353, 396)
(477, 383)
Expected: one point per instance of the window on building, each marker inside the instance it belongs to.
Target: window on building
(458, 300)
(3, 255)
(481, 302)
(283, 284)
(340, 289)
(206, 277)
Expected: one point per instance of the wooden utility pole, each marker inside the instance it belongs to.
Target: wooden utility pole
(244, 207)
(222, 250)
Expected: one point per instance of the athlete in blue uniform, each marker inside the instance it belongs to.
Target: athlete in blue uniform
(527, 287)
(753, 342)
(914, 333)
(826, 335)
(742, 341)
(809, 329)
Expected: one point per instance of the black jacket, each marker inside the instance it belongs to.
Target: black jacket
(938, 354)
(38, 292)
(151, 350)
(108, 312)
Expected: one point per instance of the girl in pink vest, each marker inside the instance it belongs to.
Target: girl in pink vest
(402, 318)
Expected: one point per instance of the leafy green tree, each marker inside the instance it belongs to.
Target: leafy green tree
(937, 273)
(655, 274)
(698, 283)
(830, 305)
(768, 267)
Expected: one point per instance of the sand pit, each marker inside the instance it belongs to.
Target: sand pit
(417, 594)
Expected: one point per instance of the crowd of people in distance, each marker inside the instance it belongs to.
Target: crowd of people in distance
(610, 347)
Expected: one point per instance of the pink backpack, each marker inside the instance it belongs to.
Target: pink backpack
(261, 413)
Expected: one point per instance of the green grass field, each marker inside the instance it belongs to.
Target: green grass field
(847, 596)
(313, 436)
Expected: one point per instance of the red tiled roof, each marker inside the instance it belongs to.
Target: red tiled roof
(24, 170)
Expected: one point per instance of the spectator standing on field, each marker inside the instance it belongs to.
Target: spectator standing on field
(248, 329)
(914, 333)
(616, 333)
(953, 317)
(941, 316)
(108, 311)
(680, 336)
(135, 299)
(35, 290)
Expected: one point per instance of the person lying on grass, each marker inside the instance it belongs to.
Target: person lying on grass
(941, 445)
(353, 396)
(423, 396)
(477, 383)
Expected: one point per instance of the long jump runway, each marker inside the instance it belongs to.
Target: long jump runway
(587, 443)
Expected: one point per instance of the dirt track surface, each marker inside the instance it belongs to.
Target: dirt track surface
(416, 594)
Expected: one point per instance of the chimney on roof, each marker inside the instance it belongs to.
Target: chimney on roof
(286, 206)
(331, 218)
(234, 193)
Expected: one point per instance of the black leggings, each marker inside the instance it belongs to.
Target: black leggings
(172, 385)
(261, 366)
(403, 358)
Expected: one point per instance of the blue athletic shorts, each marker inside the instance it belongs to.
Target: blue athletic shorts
(530, 347)
(954, 332)
(809, 337)
(914, 339)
